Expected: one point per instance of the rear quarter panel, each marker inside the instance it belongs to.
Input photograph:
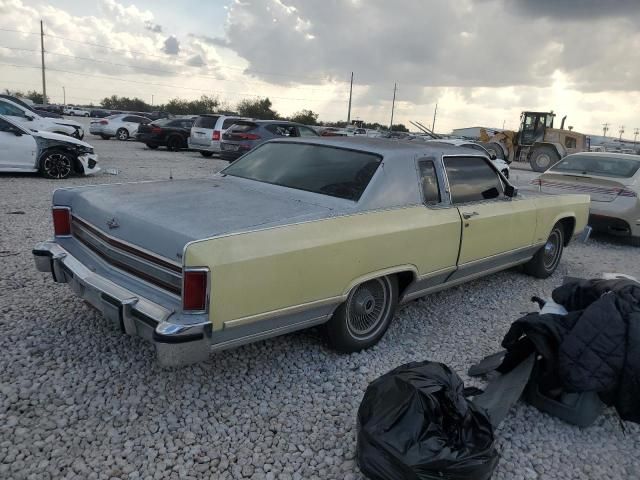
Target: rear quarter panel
(278, 268)
(553, 208)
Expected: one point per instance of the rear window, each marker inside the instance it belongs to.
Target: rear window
(242, 127)
(313, 168)
(600, 166)
(206, 122)
(228, 122)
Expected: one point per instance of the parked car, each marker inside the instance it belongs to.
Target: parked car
(298, 232)
(172, 133)
(244, 135)
(502, 165)
(99, 113)
(75, 111)
(16, 112)
(52, 155)
(613, 182)
(207, 131)
(334, 132)
(46, 111)
(122, 126)
(50, 108)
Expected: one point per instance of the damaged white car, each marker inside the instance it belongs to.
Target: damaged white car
(51, 154)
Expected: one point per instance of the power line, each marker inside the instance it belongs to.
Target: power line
(161, 84)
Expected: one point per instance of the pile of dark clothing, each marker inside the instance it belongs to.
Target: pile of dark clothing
(594, 348)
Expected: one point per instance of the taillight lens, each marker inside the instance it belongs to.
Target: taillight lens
(627, 193)
(216, 135)
(156, 130)
(61, 221)
(104, 122)
(246, 136)
(194, 290)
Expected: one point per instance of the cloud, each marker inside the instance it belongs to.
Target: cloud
(196, 61)
(153, 27)
(171, 46)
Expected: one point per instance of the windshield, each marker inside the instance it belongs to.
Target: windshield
(314, 168)
(597, 165)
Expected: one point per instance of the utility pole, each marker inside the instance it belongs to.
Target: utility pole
(635, 135)
(152, 99)
(621, 131)
(64, 96)
(433, 124)
(605, 129)
(350, 94)
(44, 82)
(393, 106)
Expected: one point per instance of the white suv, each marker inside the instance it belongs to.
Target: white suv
(207, 131)
(32, 120)
(73, 111)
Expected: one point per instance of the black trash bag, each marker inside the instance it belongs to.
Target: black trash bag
(415, 423)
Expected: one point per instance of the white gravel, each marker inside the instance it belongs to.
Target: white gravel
(78, 399)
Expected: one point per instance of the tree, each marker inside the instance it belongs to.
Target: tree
(399, 127)
(32, 95)
(306, 117)
(205, 104)
(258, 108)
(115, 102)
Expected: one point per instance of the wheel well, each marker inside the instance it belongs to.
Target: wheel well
(568, 226)
(77, 166)
(404, 280)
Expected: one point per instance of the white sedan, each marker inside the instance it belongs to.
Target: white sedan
(498, 162)
(122, 126)
(52, 155)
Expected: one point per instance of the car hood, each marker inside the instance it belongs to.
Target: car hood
(64, 121)
(59, 137)
(163, 217)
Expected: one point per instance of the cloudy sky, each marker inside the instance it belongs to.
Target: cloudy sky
(482, 61)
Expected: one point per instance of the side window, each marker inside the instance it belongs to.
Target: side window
(570, 142)
(471, 179)
(6, 109)
(306, 132)
(429, 182)
(5, 126)
(282, 130)
(129, 119)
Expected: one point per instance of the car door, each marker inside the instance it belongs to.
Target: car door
(131, 123)
(18, 149)
(496, 230)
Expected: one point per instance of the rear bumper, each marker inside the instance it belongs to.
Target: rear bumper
(613, 225)
(214, 147)
(176, 343)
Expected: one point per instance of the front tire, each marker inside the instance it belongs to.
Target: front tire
(495, 148)
(174, 143)
(543, 158)
(56, 164)
(151, 146)
(546, 260)
(122, 134)
(364, 317)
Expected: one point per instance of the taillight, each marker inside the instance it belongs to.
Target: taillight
(156, 130)
(536, 181)
(194, 289)
(104, 122)
(216, 135)
(246, 136)
(61, 221)
(627, 193)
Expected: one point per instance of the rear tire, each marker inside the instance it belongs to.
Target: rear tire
(151, 146)
(174, 143)
(543, 158)
(56, 164)
(546, 260)
(496, 149)
(122, 134)
(362, 320)
(206, 154)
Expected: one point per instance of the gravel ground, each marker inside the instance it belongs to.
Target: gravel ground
(80, 400)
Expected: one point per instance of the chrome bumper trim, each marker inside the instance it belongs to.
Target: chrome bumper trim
(176, 343)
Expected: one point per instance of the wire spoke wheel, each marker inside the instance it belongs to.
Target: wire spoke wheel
(552, 250)
(367, 307)
(57, 165)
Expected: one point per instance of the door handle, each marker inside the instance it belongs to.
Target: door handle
(468, 215)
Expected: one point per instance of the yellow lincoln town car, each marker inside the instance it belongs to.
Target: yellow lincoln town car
(296, 233)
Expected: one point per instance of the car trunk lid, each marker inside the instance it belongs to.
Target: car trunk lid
(601, 189)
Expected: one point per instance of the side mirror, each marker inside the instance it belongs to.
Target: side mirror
(17, 133)
(493, 156)
(510, 190)
(29, 118)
